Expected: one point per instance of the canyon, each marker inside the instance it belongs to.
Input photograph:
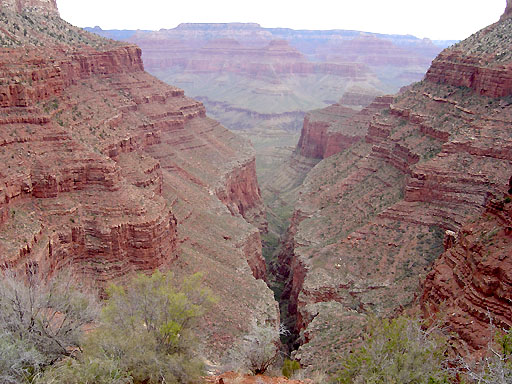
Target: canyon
(407, 208)
(396, 203)
(107, 171)
(376, 183)
(261, 82)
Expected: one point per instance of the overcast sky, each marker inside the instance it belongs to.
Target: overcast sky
(436, 19)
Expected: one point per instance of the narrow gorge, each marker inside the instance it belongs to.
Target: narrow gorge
(378, 181)
(408, 207)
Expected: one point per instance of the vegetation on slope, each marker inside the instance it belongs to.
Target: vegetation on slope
(144, 334)
(405, 350)
(31, 29)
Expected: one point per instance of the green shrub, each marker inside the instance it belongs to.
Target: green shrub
(396, 351)
(146, 335)
(19, 360)
(97, 371)
(40, 323)
(496, 366)
(290, 367)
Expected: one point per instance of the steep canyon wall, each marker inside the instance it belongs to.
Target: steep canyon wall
(371, 216)
(108, 171)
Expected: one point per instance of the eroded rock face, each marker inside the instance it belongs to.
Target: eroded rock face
(470, 283)
(481, 62)
(241, 194)
(370, 220)
(40, 80)
(107, 171)
(331, 130)
(63, 185)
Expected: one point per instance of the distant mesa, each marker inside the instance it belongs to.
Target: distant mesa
(217, 26)
(222, 43)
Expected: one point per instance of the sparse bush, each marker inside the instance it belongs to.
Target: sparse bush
(397, 351)
(19, 361)
(258, 350)
(496, 367)
(146, 335)
(39, 323)
(97, 371)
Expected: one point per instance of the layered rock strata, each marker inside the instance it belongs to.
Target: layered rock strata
(229, 55)
(481, 62)
(108, 171)
(470, 284)
(371, 219)
(331, 130)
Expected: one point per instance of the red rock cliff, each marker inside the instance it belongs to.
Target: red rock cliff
(370, 220)
(63, 177)
(331, 130)
(481, 62)
(107, 171)
(40, 79)
(240, 192)
(471, 281)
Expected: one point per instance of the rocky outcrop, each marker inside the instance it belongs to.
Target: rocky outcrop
(481, 62)
(240, 192)
(252, 250)
(470, 284)
(314, 137)
(40, 6)
(452, 68)
(54, 169)
(331, 130)
(41, 80)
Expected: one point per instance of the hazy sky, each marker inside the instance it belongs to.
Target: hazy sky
(436, 19)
